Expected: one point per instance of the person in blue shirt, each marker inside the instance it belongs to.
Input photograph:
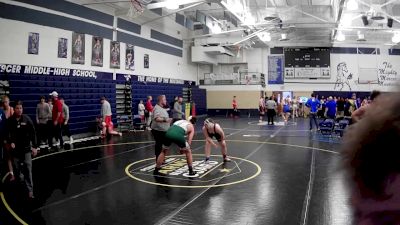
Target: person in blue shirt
(330, 109)
(313, 104)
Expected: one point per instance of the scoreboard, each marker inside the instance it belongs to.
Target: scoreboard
(308, 63)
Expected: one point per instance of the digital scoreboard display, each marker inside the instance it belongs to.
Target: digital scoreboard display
(307, 63)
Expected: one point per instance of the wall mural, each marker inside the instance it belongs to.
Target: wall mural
(343, 77)
(387, 75)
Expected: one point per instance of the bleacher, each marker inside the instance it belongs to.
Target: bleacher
(82, 95)
(141, 90)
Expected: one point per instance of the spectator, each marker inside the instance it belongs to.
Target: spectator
(8, 110)
(160, 125)
(58, 120)
(106, 121)
(286, 109)
(65, 126)
(21, 135)
(235, 112)
(322, 108)
(261, 108)
(330, 110)
(43, 113)
(313, 104)
(50, 126)
(373, 163)
(141, 110)
(359, 113)
(295, 107)
(148, 111)
(340, 107)
(3, 134)
(347, 106)
(177, 111)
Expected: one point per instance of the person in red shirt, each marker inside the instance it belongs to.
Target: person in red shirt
(235, 107)
(148, 111)
(58, 119)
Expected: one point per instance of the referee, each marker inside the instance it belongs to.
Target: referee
(160, 123)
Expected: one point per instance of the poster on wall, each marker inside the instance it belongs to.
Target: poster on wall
(97, 51)
(129, 58)
(275, 69)
(33, 43)
(62, 48)
(146, 61)
(78, 48)
(115, 54)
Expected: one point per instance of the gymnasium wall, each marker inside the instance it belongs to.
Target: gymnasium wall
(223, 99)
(168, 55)
(361, 62)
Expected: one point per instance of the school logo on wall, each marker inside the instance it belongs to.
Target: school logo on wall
(174, 172)
(343, 77)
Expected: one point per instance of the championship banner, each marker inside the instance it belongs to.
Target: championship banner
(275, 69)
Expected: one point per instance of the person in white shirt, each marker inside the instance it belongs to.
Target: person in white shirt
(141, 110)
(295, 107)
(261, 108)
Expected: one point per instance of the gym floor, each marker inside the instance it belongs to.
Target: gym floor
(279, 175)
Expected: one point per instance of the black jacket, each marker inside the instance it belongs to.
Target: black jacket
(22, 134)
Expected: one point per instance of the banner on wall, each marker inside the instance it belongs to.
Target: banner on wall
(146, 61)
(97, 51)
(48, 71)
(129, 57)
(33, 43)
(62, 48)
(115, 60)
(78, 48)
(148, 79)
(275, 69)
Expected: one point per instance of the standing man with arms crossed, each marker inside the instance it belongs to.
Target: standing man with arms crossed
(160, 125)
(271, 105)
(149, 111)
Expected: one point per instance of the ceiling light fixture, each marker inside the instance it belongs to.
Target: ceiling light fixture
(352, 5)
(283, 37)
(340, 36)
(396, 38)
(215, 28)
(360, 36)
(264, 36)
(346, 20)
(172, 4)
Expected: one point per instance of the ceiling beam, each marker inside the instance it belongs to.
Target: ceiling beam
(164, 3)
(174, 12)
